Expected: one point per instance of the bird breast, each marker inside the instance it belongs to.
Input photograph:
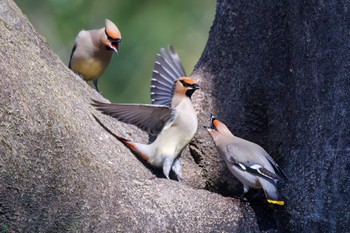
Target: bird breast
(178, 133)
(88, 68)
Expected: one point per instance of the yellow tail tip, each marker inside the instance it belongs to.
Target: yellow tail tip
(276, 202)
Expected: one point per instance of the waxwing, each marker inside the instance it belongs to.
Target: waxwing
(247, 161)
(171, 116)
(93, 51)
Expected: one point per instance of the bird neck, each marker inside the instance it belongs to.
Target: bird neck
(177, 99)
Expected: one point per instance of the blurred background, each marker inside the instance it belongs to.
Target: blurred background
(146, 26)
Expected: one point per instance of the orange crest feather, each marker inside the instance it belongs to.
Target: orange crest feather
(112, 30)
(188, 80)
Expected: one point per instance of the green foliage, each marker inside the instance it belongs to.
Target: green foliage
(146, 26)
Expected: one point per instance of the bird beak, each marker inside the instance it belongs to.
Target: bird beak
(114, 47)
(195, 86)
(212, 126)
(114, 44)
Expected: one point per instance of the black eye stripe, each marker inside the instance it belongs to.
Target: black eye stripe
(108, 37)
(190, 88)
(111, 38)
(115, 40)
(185, 84)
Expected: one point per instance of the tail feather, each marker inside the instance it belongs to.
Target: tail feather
(121, 139)
(270, 191)
(126, 142)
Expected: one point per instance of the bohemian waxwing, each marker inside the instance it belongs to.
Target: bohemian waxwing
(247, 161)
(93, 51)
(171, 116)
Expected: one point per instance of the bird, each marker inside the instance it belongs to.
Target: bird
(247, 161)
(171, 117)
(92, 51)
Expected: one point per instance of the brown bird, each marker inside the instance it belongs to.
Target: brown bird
(171, 116)
(93, 51)
(247, 161)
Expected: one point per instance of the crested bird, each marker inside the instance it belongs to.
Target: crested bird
(247, 161)
(171, 116)
(92, 51)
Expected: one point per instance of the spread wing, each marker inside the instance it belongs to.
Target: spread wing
(150, 118)
(167, 69)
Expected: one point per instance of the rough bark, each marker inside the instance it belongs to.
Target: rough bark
(276, 72)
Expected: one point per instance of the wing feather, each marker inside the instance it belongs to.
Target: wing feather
(150, 118)
(71, 55)
(177, 61)
(167, 69)
(239, 156)
(275, 166)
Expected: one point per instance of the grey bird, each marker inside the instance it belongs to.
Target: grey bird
(171, 116)
(92, 51)
(247, 161)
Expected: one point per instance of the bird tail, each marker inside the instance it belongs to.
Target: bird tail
(129, 144)
(270, 191)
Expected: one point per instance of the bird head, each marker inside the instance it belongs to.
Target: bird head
(111, 37)
(186, 86)
(217, 127)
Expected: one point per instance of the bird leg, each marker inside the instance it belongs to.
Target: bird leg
(177, 168)
(168, 162)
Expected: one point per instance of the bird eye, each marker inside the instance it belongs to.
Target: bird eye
(184, 83)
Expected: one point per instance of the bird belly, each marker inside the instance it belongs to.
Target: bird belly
(171, 142)
(165, 148)
(89, 68)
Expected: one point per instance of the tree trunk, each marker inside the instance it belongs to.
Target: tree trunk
(274, 71)
(277, 73)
